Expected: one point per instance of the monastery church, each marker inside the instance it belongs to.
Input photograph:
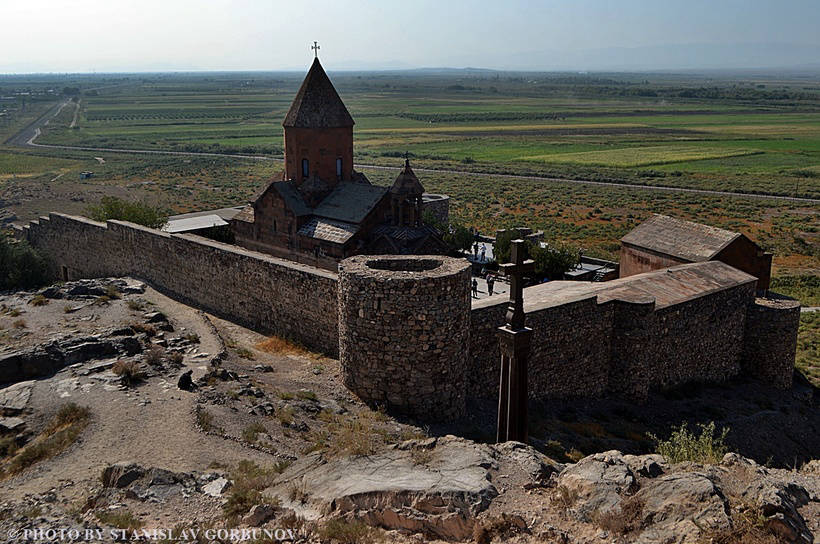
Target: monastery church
(320, 210)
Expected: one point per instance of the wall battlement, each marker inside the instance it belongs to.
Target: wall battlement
(408, 337)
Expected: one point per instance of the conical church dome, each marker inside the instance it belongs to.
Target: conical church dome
(317, 104)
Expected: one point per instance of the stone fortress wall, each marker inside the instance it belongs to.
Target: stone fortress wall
(406, 333)
(404, 326)
(256, 290)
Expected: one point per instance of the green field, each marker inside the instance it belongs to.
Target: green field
(755, 135)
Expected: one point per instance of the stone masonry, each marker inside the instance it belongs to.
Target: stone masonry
(409, 339)
(404, 326)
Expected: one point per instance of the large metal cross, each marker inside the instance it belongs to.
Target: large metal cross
(514, 341)
(315, 47)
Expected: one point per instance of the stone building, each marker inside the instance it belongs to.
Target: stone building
(320, 210)
(662, 241)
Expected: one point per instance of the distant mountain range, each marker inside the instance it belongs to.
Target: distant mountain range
(740, 56)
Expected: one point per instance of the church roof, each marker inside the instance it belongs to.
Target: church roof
(329, 230)
(406, 182)
(679, 238)
(317, 104)
(350, 202)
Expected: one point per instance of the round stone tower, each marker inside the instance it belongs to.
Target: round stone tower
(404, 325)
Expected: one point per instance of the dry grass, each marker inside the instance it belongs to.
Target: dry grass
(154, 356)
(38, 300)
(121, 519)
(249, 481)
(249, 433)
(149, 330)
(628, 518)
(19, 324)
(280, 346)
(62, 431)
(748, 527)
(128, 371)
(348, 434)
(340, 531)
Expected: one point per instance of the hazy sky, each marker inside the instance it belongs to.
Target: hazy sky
(137, 35)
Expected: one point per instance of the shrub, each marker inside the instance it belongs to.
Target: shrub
(684, 445)
(121, 519)
(128, 371)
(205, 419)
(176, 357)
(112, 292)
(245, 353)
(38, 300)
(340, 531)
(249, 481)
(21, 266)
(249, 433)
(627, 518)
(149, 330)
(306, 395)
(140, 213)
(19, 324)
(154, 356)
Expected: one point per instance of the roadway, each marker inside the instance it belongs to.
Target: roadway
(27, 137)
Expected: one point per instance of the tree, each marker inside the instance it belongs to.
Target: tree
(459, 239)
(141, 213)
(21, 266)
(552, 263)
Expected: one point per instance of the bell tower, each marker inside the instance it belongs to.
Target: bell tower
(318, 131)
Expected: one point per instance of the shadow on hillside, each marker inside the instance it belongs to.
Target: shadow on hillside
(779, 428)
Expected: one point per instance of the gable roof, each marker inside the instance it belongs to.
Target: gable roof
(327, 229)
(683, 239)
(317, 104)
(350, 202)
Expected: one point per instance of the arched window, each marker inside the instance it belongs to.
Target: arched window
(305, 168)
(339, 167)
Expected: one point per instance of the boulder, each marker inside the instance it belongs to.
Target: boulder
(121, 475)
(11, 424)
(598, 481)
(216, 487)
(259, 514)
(648, 466)
(677, 507)
(537, 466)
(14, 398)
(439, 498)
(778, 501)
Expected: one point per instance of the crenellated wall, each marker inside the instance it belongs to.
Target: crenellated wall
(410, 338)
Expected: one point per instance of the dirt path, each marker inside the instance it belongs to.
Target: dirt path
(152, 424)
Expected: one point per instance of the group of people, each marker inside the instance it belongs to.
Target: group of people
(490, 285)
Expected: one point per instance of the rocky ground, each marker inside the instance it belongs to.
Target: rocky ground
(179, 422)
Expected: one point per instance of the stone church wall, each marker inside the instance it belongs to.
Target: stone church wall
(261, 292)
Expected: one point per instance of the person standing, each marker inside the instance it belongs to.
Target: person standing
(475, 288)
(490, 284)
